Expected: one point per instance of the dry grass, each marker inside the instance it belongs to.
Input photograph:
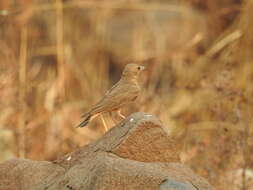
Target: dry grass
(59, 57)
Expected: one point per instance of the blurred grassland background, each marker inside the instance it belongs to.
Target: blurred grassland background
(58, 57)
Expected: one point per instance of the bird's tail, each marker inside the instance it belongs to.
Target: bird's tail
(86, 118)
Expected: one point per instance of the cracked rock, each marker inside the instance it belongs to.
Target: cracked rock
(135, 154)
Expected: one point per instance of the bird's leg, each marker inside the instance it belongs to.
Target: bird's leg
(104, 123)
(122, 116)
(112, 119)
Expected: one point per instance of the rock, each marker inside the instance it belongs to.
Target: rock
(172, 184)
(136, 154)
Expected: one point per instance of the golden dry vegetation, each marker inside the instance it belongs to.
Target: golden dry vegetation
(58, 57)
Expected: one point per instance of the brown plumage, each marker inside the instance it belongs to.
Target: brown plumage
(121, 94)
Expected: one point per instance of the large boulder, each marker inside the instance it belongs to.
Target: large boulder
(136, 154)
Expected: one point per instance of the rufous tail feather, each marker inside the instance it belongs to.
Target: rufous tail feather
(85, 121)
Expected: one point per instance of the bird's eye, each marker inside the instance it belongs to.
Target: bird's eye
(139, 68)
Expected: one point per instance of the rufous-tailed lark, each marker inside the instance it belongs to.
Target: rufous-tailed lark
(125, 91)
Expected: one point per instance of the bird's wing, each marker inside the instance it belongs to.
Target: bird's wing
(117, 96)
(100, 105)
(112, 88)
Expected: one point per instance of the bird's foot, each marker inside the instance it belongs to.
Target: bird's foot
(122, 116)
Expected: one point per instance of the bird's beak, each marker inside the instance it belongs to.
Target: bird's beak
(142, 68)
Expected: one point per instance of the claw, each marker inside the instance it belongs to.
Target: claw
(122, 116)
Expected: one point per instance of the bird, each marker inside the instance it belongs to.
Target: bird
(125, 91)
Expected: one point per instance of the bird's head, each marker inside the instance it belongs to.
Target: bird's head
(131, 71)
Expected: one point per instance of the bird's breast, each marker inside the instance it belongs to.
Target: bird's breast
(133, 92)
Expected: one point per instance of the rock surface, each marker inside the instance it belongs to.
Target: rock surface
(136, 154)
